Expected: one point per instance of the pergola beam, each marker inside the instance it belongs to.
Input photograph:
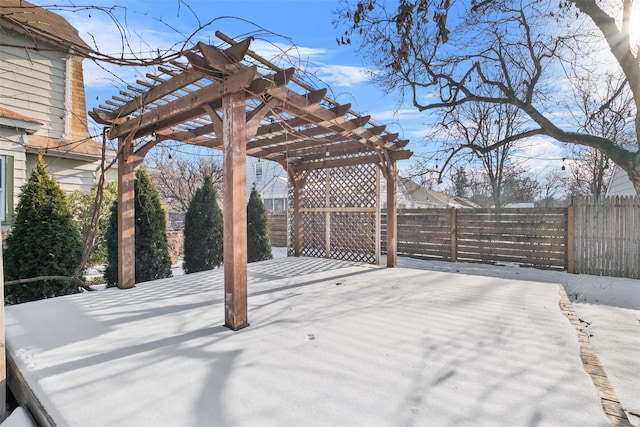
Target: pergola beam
(350, 161)
(233, 83)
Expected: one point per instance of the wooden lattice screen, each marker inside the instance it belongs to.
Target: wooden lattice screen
(340, 214)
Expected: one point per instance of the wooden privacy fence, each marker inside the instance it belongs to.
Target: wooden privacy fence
(598, 237)
(278, 228)
(607, 236)
(530, 237)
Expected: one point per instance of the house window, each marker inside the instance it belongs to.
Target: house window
(279, 204)
(259, 172)
(6, 188)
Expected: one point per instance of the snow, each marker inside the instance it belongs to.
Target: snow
(330, 343)
(608, 306)
(19, 418)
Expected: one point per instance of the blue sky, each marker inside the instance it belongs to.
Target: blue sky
(302, 28)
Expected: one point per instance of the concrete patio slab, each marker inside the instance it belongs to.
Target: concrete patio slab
(330, 343)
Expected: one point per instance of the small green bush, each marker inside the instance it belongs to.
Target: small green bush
(44, 241)
(203, 241)
(258, 242)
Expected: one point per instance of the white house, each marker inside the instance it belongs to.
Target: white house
(42, 102)
(275, 193)
(412, 195)
(620, 184)
(260, 173)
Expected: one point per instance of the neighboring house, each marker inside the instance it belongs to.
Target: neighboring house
(465, 203)
(520, 205)
(260, 172)
(275, 193)
(411, 195)
(620, 184)
(42, 102)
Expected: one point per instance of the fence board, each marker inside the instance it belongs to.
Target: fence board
(532, 237)
(278, 228)
(607, 236)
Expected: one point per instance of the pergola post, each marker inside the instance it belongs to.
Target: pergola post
(126, 214)
(235, 210)
(391, 174)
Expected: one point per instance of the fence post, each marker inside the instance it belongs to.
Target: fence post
(570, 240)
(454, 235)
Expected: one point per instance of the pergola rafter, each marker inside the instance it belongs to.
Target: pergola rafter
(232, 99)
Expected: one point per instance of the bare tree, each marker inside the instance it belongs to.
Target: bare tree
(178, 176)
(478, 125)
(444, 54)
(459, 186)
(517, 186)
(606, 115)
(553, 190)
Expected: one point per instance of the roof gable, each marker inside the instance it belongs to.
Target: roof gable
(41, 24)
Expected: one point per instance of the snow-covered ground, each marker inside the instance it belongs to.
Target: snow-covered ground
(608, 306)
(332, 343)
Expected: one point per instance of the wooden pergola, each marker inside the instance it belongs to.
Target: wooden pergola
(232, 99)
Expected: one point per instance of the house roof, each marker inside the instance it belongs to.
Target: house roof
(278, 185)
(12, 119)
(423, 195)
(41, 23)
(466, 203)
(66, 148)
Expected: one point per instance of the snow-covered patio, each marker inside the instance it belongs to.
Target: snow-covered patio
(330, 343)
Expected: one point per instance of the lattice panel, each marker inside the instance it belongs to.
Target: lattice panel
(339, 204)
(315, 190)
(353, 186)
(314, 229)
(353, 236)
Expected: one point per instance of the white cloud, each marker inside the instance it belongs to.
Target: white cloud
(399, 114)
(283, 54)
(342, 75)
(540, 155)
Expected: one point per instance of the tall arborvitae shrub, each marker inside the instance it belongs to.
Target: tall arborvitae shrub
(44, 241)
(258, 242)
(203, 231)
(152, 252)
(111, 242)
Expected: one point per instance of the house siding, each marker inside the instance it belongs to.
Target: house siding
(71, 174)
(269, 171)
(620, 184)
(33, 84)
